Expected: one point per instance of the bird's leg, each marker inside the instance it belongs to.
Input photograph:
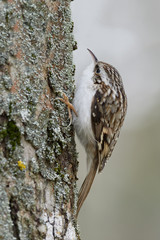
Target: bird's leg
(69, 106)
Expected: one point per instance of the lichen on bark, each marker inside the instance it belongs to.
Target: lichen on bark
(36, 67)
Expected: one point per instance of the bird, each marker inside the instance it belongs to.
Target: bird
(100, 104)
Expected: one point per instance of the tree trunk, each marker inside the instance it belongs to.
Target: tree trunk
(38, 163)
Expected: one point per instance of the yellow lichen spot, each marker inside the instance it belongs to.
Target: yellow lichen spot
(21, 165)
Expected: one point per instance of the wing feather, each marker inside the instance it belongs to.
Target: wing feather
(106, 123)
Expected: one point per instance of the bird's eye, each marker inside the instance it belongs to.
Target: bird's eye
(97, 70)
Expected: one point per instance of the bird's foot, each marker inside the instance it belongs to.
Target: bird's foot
(69, 106)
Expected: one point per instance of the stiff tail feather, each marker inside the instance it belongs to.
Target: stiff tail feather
(85, 188)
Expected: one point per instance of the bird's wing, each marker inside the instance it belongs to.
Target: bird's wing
(106, 111)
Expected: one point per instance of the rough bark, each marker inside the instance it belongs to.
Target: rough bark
(38, 163)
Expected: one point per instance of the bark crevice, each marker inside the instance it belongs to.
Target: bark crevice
(14, 208)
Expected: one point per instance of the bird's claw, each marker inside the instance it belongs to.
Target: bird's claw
(69, 106)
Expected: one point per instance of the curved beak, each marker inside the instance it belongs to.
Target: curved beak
(92, 54)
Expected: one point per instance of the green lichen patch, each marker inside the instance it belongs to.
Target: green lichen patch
(10, 135)
(13, 134)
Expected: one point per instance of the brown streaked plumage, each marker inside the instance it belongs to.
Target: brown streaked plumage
(105, 100)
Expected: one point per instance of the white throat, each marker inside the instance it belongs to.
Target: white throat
(82, 103)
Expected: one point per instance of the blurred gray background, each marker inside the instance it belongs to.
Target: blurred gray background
(124, 202)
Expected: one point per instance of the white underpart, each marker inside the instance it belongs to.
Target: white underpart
(85, 91)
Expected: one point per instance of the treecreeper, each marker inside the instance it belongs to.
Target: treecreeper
(99, 107)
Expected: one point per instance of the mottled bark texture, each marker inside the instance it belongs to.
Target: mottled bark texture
(38, 162)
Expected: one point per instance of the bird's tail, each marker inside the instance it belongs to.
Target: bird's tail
(85, 188)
